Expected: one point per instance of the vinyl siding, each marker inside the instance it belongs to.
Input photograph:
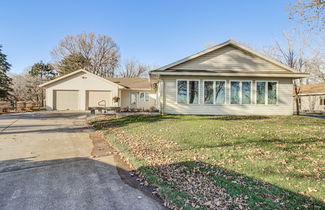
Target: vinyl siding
(228, 58)
(284, 106)
(125, 96)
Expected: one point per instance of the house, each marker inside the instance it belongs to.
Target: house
(227, 79)
(81, 89)
(312, 98)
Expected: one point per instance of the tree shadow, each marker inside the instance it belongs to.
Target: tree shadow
(209, 186)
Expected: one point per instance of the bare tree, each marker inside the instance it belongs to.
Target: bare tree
(293, 55)
(132, 69)
(100, 50)
(310, 12)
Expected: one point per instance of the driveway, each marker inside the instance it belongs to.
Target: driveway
(46, 163)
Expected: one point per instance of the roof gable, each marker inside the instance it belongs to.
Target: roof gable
(75, 73)
(227, 56)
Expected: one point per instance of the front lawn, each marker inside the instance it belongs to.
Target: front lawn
(225, 161)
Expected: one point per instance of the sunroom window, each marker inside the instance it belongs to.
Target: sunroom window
(240, 92)
(214, 92)
(187, 92)
(266, 92)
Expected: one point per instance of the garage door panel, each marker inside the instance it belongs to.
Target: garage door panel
(66, 99)
(99, 98)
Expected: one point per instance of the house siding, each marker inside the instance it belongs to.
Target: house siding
(125, 99)
(283, 107)
(228, 58)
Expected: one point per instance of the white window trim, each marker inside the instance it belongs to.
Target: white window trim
(144, 96)
(214, 91)
(267, 92)
(187, 91)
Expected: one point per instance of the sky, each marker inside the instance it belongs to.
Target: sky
(154, 32)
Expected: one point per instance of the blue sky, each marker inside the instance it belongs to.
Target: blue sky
(153, 32)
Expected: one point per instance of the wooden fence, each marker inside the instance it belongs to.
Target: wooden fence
(8, 106)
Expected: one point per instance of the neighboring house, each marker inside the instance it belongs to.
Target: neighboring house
(227, 79)
(312, 98)
(81, 89)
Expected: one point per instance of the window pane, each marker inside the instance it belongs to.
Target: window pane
(235, 88)
(260, 92)
(246, 92)
(142, 97)
(208, 92)
(271, 92)
(182, 92)
(133, 98)
(220, 92)
(193, 92)
(146, 96)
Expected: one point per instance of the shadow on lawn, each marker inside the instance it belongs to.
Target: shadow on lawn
(209, 186)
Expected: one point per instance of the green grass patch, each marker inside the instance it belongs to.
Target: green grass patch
(268, 162)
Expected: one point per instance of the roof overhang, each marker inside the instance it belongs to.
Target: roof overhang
(237, 74)
(311, 94)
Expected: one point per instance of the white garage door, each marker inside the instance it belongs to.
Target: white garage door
(99, 98)
(66, 100)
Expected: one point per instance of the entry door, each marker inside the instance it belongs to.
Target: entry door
(66, 100)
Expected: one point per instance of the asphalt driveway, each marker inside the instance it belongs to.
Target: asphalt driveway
(46, 163)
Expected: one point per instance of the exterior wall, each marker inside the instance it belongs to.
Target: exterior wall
(81, 82)
(228, 58)
(125, 99)
(310, 104)
(170, 106)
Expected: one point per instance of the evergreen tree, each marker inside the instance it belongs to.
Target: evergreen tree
(5, 80)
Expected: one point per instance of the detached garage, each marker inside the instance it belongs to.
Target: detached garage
(80, 90)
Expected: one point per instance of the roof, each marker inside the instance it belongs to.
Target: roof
(73, 73)
(312, 89)
(132, 83)
(168, 69)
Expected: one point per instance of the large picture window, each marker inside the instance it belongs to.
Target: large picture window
(214, 92)
(188, 91)
(240, 92)
(266, 92)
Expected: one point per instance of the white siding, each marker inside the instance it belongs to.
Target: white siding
(228, 58)
(125, 99)
(284, 106)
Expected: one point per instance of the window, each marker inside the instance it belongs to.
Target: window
(187, 91)
(214, 92)
(133, 98)
(246, 92)
(240, 92)
(208, 92)
(182, 92)
(322, 101)
(235, 90)
(260, 92)
(266, 93)
(144, 97)
(220, 92)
